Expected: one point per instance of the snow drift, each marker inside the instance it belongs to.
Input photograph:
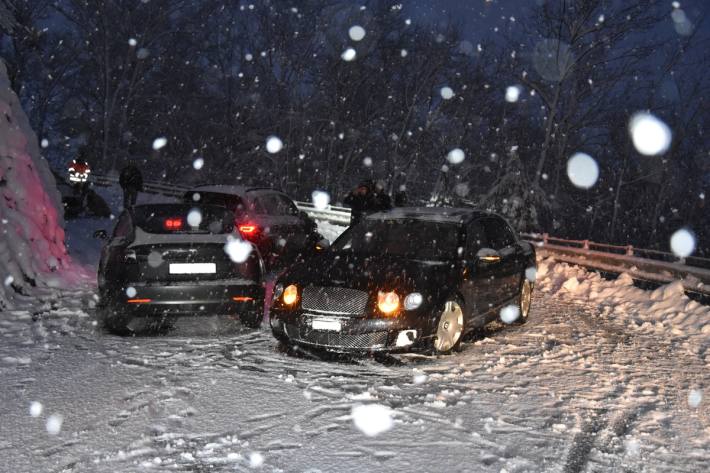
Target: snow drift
(32, 252)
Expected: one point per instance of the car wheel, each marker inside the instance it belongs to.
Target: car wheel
(113, 323)
(524, 301)
(252, 319)
(450, 328)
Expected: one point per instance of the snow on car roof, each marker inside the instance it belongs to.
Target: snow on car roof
(433, 214)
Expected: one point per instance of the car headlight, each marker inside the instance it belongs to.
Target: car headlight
(290, 295)
(387, 302)
(278, 290)
(413, 301)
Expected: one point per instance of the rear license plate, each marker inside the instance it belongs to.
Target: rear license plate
(326, 324)
(193, 268)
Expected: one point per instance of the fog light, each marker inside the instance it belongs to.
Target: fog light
(413, 301)
(406, 338)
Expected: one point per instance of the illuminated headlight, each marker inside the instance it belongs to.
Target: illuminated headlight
(290, 295)
(387, 302)
(413, 301)
(278, 290)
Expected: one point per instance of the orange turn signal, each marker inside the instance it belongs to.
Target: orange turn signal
(242, 299)
(139, 301)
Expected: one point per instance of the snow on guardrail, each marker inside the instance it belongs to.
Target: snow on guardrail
(641, 264)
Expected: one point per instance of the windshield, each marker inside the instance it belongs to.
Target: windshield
(181, 218)
(415, 239)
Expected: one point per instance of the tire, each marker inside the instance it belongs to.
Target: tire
(112, 323)
(252, 319)
(449, 328)
(524, 301)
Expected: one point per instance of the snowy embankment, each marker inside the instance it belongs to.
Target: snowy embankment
(664, 310)
(33, 259)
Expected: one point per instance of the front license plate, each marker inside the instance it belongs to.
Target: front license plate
(193, 268)
(326, 324)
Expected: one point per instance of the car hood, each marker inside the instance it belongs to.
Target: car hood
(373, 272)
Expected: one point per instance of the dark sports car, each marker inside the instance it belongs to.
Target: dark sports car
(408, 278)
(166, 260)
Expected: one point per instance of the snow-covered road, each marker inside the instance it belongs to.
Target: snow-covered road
(570, 391)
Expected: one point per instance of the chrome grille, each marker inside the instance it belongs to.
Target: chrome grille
(334, 300)
(363, 341)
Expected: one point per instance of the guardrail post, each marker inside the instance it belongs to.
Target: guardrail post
(630, 250)
(585, 245)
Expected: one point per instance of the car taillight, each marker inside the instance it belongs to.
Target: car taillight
(248, 230)
(172, 223)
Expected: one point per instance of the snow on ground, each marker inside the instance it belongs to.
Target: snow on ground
(575, 389)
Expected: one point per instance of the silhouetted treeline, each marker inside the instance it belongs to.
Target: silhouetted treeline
(217, 78)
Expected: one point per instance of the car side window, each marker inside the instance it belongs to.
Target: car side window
(123, 226)
(475, 239)
(498, 233)
(274, 204)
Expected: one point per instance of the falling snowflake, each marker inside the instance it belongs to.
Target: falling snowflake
(649, 134)
(155, 259)
(54, 424)
(36, 409)
(509, 314)
(256, 460)
(45, 142)
(582, 170)
(159, 142)
(367, 161)
(198, 163)
(456, 156)
(372, 419)
(695, 397)
(356, 33)
(237, 249)
(132, 42)
(131, 291)
(512, 93)
(274, 144)
(682, 243)
(348, 55)
(194, 218)
(446, 93)
(531, 274)
(320, 199)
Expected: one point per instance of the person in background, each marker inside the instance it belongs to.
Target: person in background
(79, 171)
(357, 200)
(400, 198)
(380, 199)
(131, 181)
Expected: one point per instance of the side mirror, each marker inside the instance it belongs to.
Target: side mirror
(487, 257)
(323, 244)
(101, 235)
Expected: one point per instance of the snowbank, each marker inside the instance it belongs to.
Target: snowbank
(665, 310)
(32, 252)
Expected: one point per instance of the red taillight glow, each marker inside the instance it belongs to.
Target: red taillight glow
(173, 223)
(248, 229)
(242, 299)
(139, 301)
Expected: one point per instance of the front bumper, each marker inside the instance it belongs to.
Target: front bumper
(185, 299)
(356, 334)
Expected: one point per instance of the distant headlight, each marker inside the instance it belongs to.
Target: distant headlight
(387, 302)
(278, 290)
(413, 301)
(290, 295)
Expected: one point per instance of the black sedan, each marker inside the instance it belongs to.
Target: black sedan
(166, 260)
(409, 278)
(266, 217)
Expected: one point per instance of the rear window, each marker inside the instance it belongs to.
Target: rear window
(273, 204)
(231, 202)
(198, 219)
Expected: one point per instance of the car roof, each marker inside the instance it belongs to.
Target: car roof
(432, 214)
(230, 189)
